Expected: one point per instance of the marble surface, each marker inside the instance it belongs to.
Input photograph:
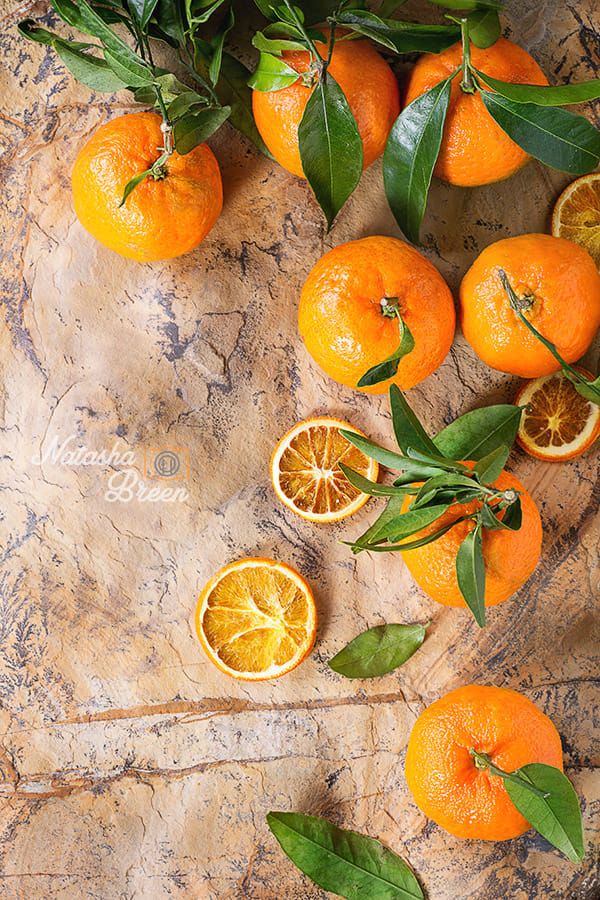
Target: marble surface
(129, 766)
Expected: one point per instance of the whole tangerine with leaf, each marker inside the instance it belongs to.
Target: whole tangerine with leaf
(375, 312)
(469, 532)
(163, 214)
(475, 150)
(485, 763)
(365, 78)
(533, 281)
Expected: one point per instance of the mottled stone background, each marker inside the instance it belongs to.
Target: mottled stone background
(129, 766)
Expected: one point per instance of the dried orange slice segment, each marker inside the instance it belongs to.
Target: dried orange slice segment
(557, 422)
(256, 619)
(306, 474)
(576, 215)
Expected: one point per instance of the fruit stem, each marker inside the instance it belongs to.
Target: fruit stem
(158, 169)
(390, 307)
(467, 84)
(482, 761)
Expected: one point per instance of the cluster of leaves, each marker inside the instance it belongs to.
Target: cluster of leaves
(355, 866)
(484, 436)
(217, 88)
(530, 115)
(330, 146)
(588, 389)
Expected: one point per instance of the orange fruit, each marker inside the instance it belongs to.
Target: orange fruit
(475, 150)
(365, 78)
(341, 319)
(557, 422)
(576, 215)
(510, 556)
(161, 218)
(442, 775)
(306, 475)
(561, 285)
(256, 619)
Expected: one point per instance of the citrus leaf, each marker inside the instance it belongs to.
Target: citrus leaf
(410, 155)
(114, 46)
(233, 91)
(272, 74)
(477, 433)
(470, 574)
(405, 545)
(434, 459)
(489, 468)
(484, 27)
(401, 37)
(412, 468)
(409, 522)
(557, 816)
(275, 45)
(214, 69)
(345, 862)
(392, 509)
(133, 183)
(183, 103)
(195, 128)
(441, 483)
(388, 367)
(331, 148)
(142, 10)
(511, 521)
(372, 488)
(544, 95)
(588, 389)
(378, 651)
(556, 137)
(407, 428)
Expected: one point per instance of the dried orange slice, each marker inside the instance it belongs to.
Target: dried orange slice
(306, 474)
(256, 619)
(557, 422)
(576, 215)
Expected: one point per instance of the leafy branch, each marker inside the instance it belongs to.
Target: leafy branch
(413, 511)
(529, 114)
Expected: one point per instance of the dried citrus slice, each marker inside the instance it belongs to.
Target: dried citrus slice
(576, 215)
(256, 619)
(557, 422)
(306, 474)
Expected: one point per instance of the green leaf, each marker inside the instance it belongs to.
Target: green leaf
(588, 389)
(556, 137)
(470, 573)
(275, 45)
(434, 459)
(183, 103)
(195, 128)
(484, 27)
(378, 651)
(388, 367)
(89, 70)
(133, 183)
(170, 21)
(233, 91)
(557, 816)
(272, 74)
(409, 522)
(440, 484)
(405, 545)
(118, 54)
(414, 470)
(347, 863)
(407, 428)
(410, 155)
(544, 95)
(489, 468)
(372, 488)
(511, 521)
(331, 148)
(214, 69)
(476, 433)
(401, 37)
(143, 10)
(392, 509)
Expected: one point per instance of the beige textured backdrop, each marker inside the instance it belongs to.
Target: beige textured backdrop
(130, 767)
